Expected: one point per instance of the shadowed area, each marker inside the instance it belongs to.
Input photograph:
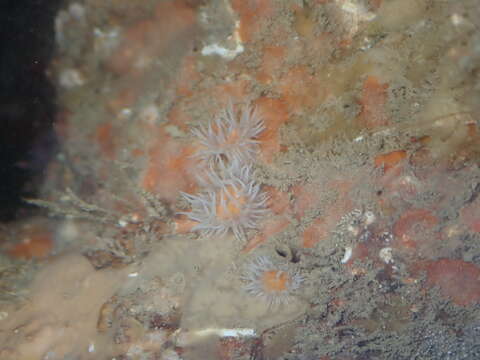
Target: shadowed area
(27, 108)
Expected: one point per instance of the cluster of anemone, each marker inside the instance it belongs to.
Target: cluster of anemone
(231, 200)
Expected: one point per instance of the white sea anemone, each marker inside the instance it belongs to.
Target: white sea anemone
(232, 201)
(273, 283)
(232, 135)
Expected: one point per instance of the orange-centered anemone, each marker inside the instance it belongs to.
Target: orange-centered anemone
(232, 136)
(271, 282)
(233, 202)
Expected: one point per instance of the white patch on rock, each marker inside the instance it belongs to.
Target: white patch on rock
(347, 255)
(386, 255)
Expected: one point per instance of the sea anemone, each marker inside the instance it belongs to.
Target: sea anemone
(231, 136)
(232, 201)
(274, 283)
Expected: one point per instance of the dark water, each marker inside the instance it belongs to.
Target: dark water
(27, 100)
